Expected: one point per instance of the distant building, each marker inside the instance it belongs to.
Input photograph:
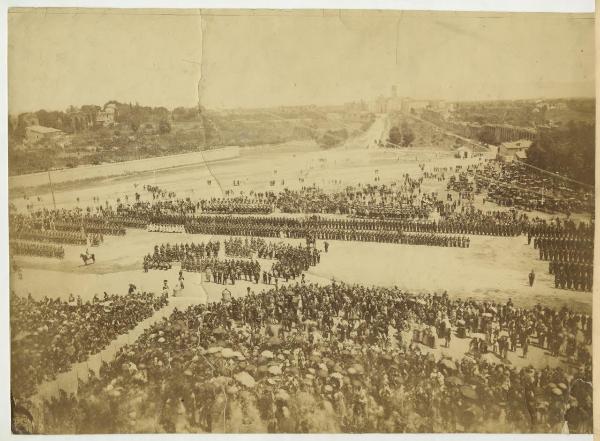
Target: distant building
(509, 151)
(464, 152)
(34, 134)
(106, 117)
(30, 119)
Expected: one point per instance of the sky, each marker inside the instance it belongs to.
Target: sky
(272, 58)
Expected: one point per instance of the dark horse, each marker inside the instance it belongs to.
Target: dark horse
(87, 257)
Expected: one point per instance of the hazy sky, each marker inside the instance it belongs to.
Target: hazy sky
(265, 58)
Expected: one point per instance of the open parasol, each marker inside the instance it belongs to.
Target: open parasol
(245, 379)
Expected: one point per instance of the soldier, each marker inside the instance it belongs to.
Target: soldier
(531, 277)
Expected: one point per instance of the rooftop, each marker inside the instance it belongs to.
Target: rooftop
(520, 144)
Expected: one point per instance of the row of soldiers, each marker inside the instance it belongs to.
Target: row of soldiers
(567, 250)
(18, 247)
(235, 205)
(106, 228)
(572, 275)
(566, 229)
(567, 255)
(435, 240)
(54, 236)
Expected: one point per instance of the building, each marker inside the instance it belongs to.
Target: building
(464, 152)
(106, 117)
(35, 134)
(509, 151)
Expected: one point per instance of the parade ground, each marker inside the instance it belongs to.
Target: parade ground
(492, 268)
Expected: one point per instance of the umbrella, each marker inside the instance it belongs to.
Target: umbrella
(275, 369)
(220, 380)
(473, 411)
(266, 354)
(503, 334)
(245, 379)
(274, 342)
(227, 353)
(468, 392)
(448, 364)
(359, 368)
(454, 381)
(336, 375)
(282, 395)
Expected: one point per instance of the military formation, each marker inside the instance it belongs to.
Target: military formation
(54, 236)
(435, 240)
(23, 248)
(164, 255)
(569, 248)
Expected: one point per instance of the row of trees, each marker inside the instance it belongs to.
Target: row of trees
(569, 151)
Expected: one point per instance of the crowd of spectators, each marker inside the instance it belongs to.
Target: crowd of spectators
(49, 335)
(340, 358)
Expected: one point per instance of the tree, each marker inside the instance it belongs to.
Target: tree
(408, 135)
(164, 127)
(486, 137)
(395, 136)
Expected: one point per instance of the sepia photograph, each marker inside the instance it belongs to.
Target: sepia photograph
(300, 221)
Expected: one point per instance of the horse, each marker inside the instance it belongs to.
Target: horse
(86, 257)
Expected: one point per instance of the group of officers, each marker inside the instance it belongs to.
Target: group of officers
(221, 271)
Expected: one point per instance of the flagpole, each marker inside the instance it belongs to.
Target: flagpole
(52, 190)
